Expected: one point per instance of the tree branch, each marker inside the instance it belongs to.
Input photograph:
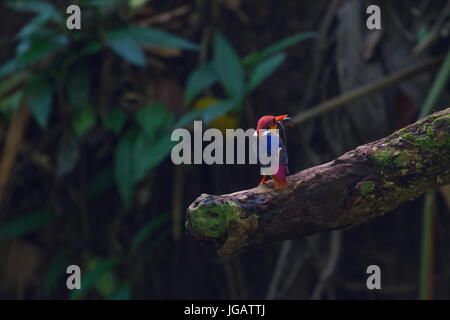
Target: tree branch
(362, 184)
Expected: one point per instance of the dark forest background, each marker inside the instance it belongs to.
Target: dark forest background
(85, 122)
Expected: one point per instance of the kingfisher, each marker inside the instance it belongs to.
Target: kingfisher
(267, 126)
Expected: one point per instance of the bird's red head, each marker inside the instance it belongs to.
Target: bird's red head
(269, 122)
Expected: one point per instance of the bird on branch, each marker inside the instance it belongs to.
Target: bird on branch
(268, 129)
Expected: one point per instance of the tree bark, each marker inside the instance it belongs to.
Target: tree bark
(362, 184)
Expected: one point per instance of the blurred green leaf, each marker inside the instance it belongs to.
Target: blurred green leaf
(114, 120)
(155, 120)
(422, 33)
(189, 117)
(123, 165)
(9, 67)
(147, 230)
(122, 43)
(148, 154)
(440, 83)
(123, 293)
(67, 154)
(107, 284)
(83, 119)
(26, 224)
(287, 42)
(256, 57)
(101, 183)
(218, 109)
(36, 6)
(11, 102)
(11, 82)
(100, 3)
(56, 271)
(39, 96)
(264, 70)
(136, 3)
(199, 80)
(228, 68)
(159, 38)
(252, 59)
(91, 47)
(42, 46)
(91, 277)
(34, 26)
(78, 85)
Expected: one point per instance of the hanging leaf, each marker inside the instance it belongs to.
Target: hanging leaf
(199, 80)
(147, 155)
(84, 119)
(147, 230)
(39, 96)
(26, 224)
(228, 68)
(56, 271)
(123, 165)
(42, 46)
(67, 154)
(287, 42)
(9, 83)
(78, 85)
(122, 43)
(189, 117)
(218, 109)
(264, 70)
(256, 57)
(114, 120)
(154, 120)
(11, 102)
(159, 38)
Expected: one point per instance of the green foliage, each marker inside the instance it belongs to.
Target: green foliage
(123, 165)
(114, 120)
(26, 224)
(158, 38)
(217, 109)
(148, 230)
(67, 153)
(56, 271)
(238, 77)
(142, 148)
(264, 69)
(122, 43)
(143, 141)
(200, 79)
(78, 86)
(84, 119)
(228, 68)
(94, 278)
(39, 94)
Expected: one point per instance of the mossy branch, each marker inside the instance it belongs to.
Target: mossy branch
(362, 184)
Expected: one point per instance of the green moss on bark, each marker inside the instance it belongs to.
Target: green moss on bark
(367, 187)
(210, 221)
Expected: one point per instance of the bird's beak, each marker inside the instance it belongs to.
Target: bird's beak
(279, 118)
(284, 120)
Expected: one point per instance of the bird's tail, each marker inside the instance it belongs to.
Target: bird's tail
(279, 179)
